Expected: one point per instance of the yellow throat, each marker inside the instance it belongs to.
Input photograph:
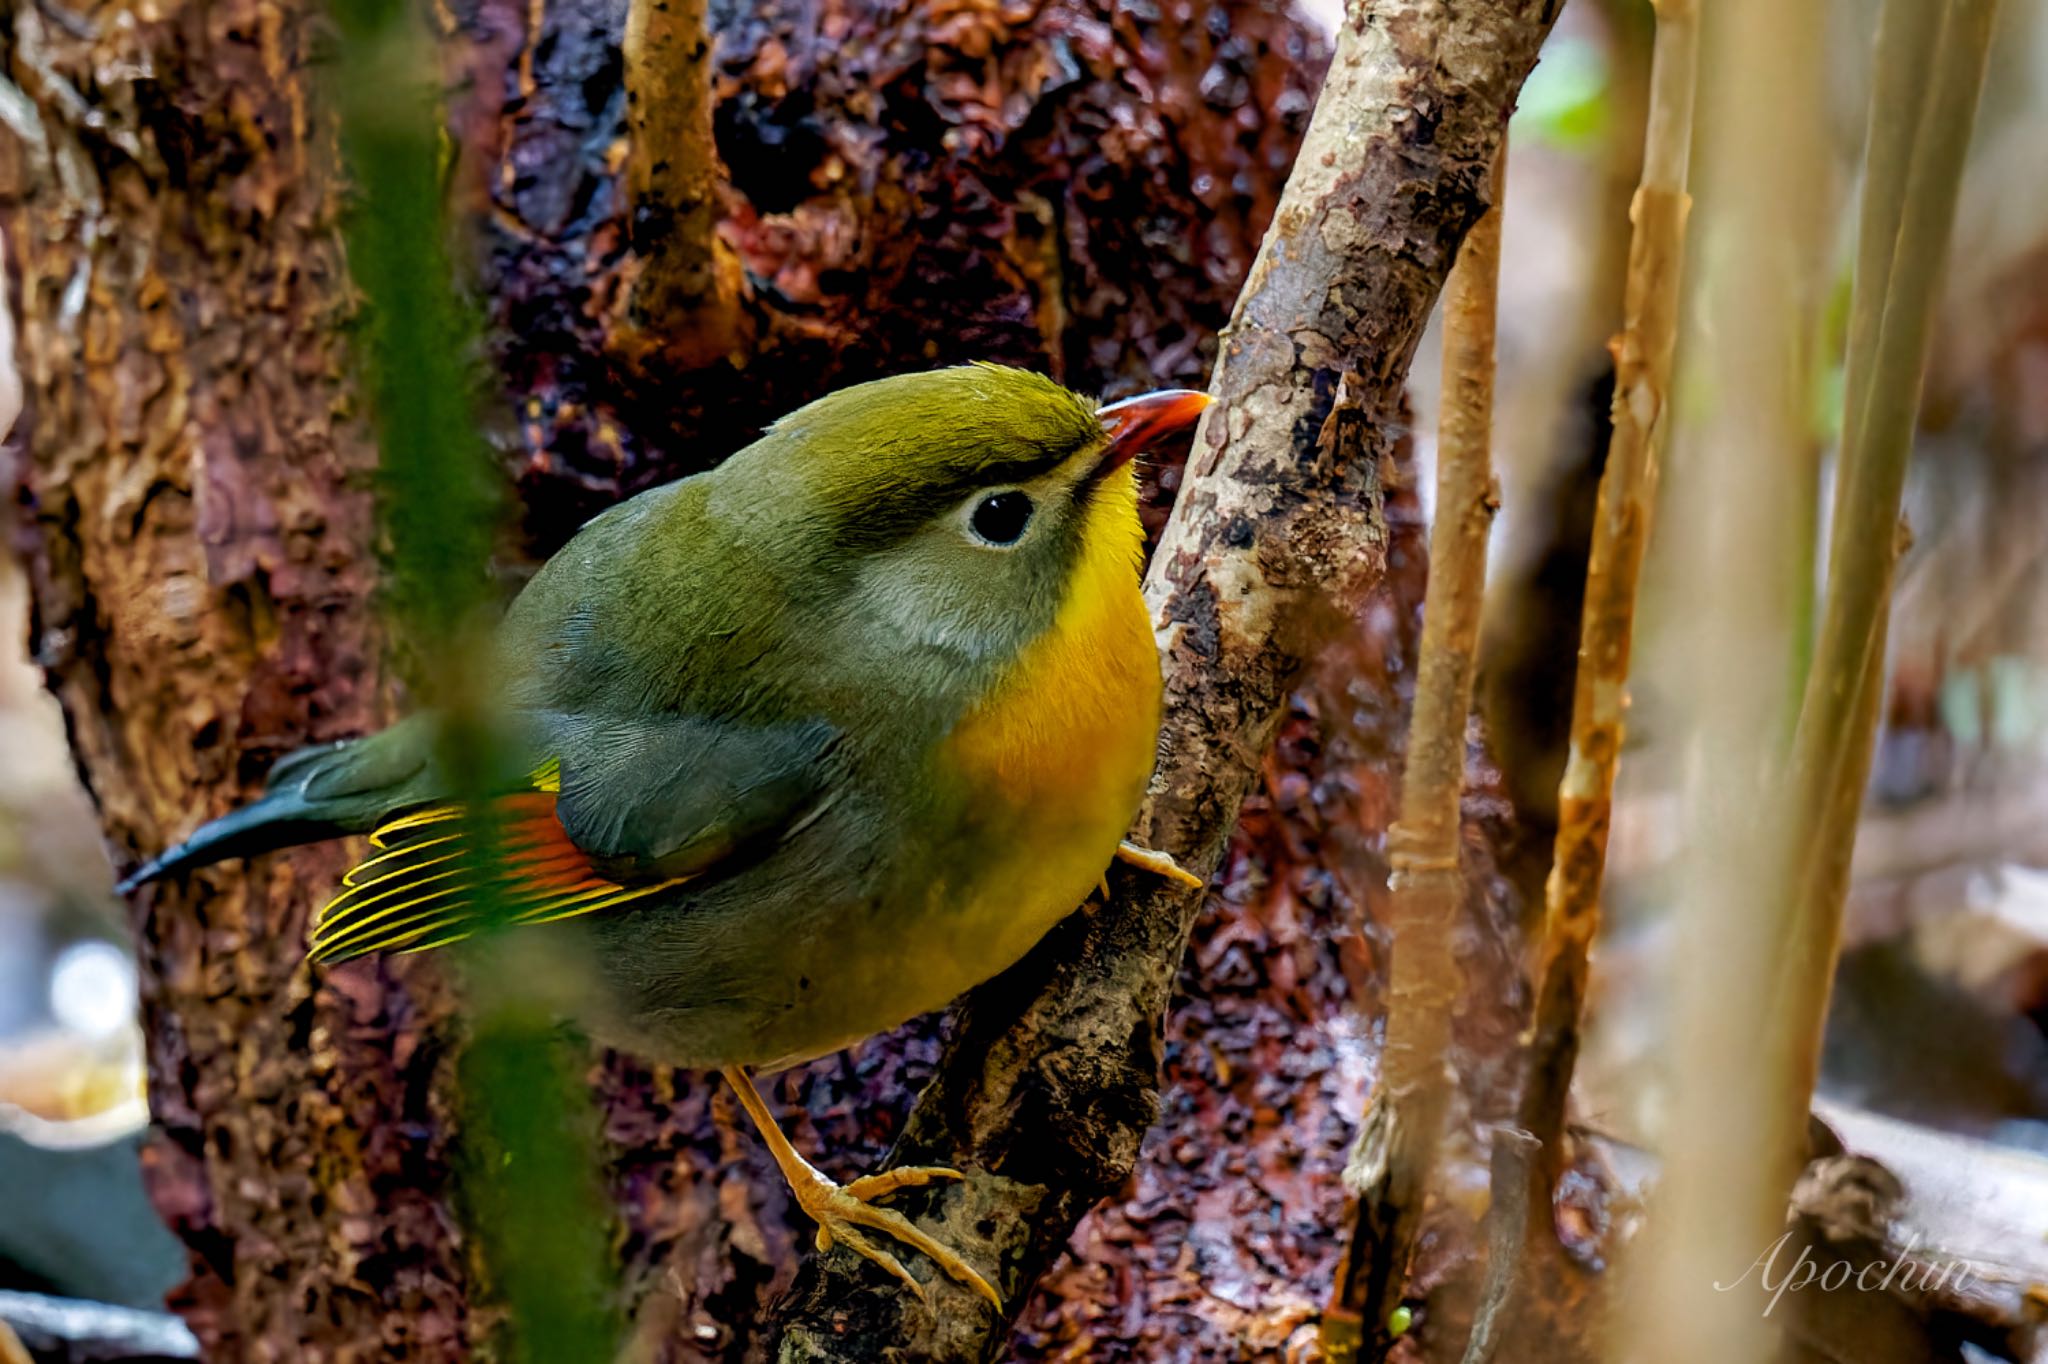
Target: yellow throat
(1073, 723)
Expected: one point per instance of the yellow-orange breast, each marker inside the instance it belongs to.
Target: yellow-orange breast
(1055, 758)
(1074, 721)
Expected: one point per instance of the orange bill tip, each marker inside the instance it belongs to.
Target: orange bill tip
(1136, 424)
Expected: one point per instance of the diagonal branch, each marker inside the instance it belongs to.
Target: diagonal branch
(1049, 1083)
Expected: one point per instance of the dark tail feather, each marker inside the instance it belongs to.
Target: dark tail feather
(316, 793)
(276, 821)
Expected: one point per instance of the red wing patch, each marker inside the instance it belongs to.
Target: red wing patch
(417, 889)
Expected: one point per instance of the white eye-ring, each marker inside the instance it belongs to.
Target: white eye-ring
(1001, 518)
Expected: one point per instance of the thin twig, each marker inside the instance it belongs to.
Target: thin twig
(1765, 842)
(1628, 489)
(1404, 1126)
(685, 296)
(1907, 216)
(1741, 458)
(530, 1132)
(1526, 1171)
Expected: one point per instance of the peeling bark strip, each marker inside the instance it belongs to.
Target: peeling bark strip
(1621, 533)
(1049, 1082)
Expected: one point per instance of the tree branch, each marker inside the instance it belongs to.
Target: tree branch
(1923, 108)
(1527, 1160)
(685, 296)
(1049, 1080)
(1405, 1123)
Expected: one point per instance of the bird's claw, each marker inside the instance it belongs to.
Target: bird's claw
(842, 1210)
(1159, 864)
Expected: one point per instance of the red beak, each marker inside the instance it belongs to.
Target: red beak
(1138, 423)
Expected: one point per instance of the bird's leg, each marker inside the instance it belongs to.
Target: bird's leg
(842, 1210)
(1158, 863)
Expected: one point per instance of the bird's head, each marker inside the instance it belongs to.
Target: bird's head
(962, 506)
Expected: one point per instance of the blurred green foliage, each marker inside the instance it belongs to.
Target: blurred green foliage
(531, 1158)
(1565, 103)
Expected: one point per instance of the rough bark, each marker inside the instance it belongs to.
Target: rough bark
(1048, 1084)
(199, 534)
(1063, 185)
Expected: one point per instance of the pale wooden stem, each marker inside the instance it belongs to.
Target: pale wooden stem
(1621, 529)
(1524, 1169)
(1761, 896)
(1907, 216)
(1405, 1128)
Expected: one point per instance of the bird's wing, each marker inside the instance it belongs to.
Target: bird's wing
(673, 798)
(626, 808)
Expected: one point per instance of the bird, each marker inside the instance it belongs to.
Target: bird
(789, 751)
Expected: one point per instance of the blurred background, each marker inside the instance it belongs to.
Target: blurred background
(71, 1082)
(1940, 1017)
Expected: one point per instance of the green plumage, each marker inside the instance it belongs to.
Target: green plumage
(789, 751)
(741, 679)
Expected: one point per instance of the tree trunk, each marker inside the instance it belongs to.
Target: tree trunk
(1065, 185)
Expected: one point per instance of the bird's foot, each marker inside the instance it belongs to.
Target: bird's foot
(1159, 864)
(845, 1213)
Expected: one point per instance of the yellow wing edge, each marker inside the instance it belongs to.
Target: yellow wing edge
(416, 890)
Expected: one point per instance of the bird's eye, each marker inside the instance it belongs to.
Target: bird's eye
(1000, 518)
